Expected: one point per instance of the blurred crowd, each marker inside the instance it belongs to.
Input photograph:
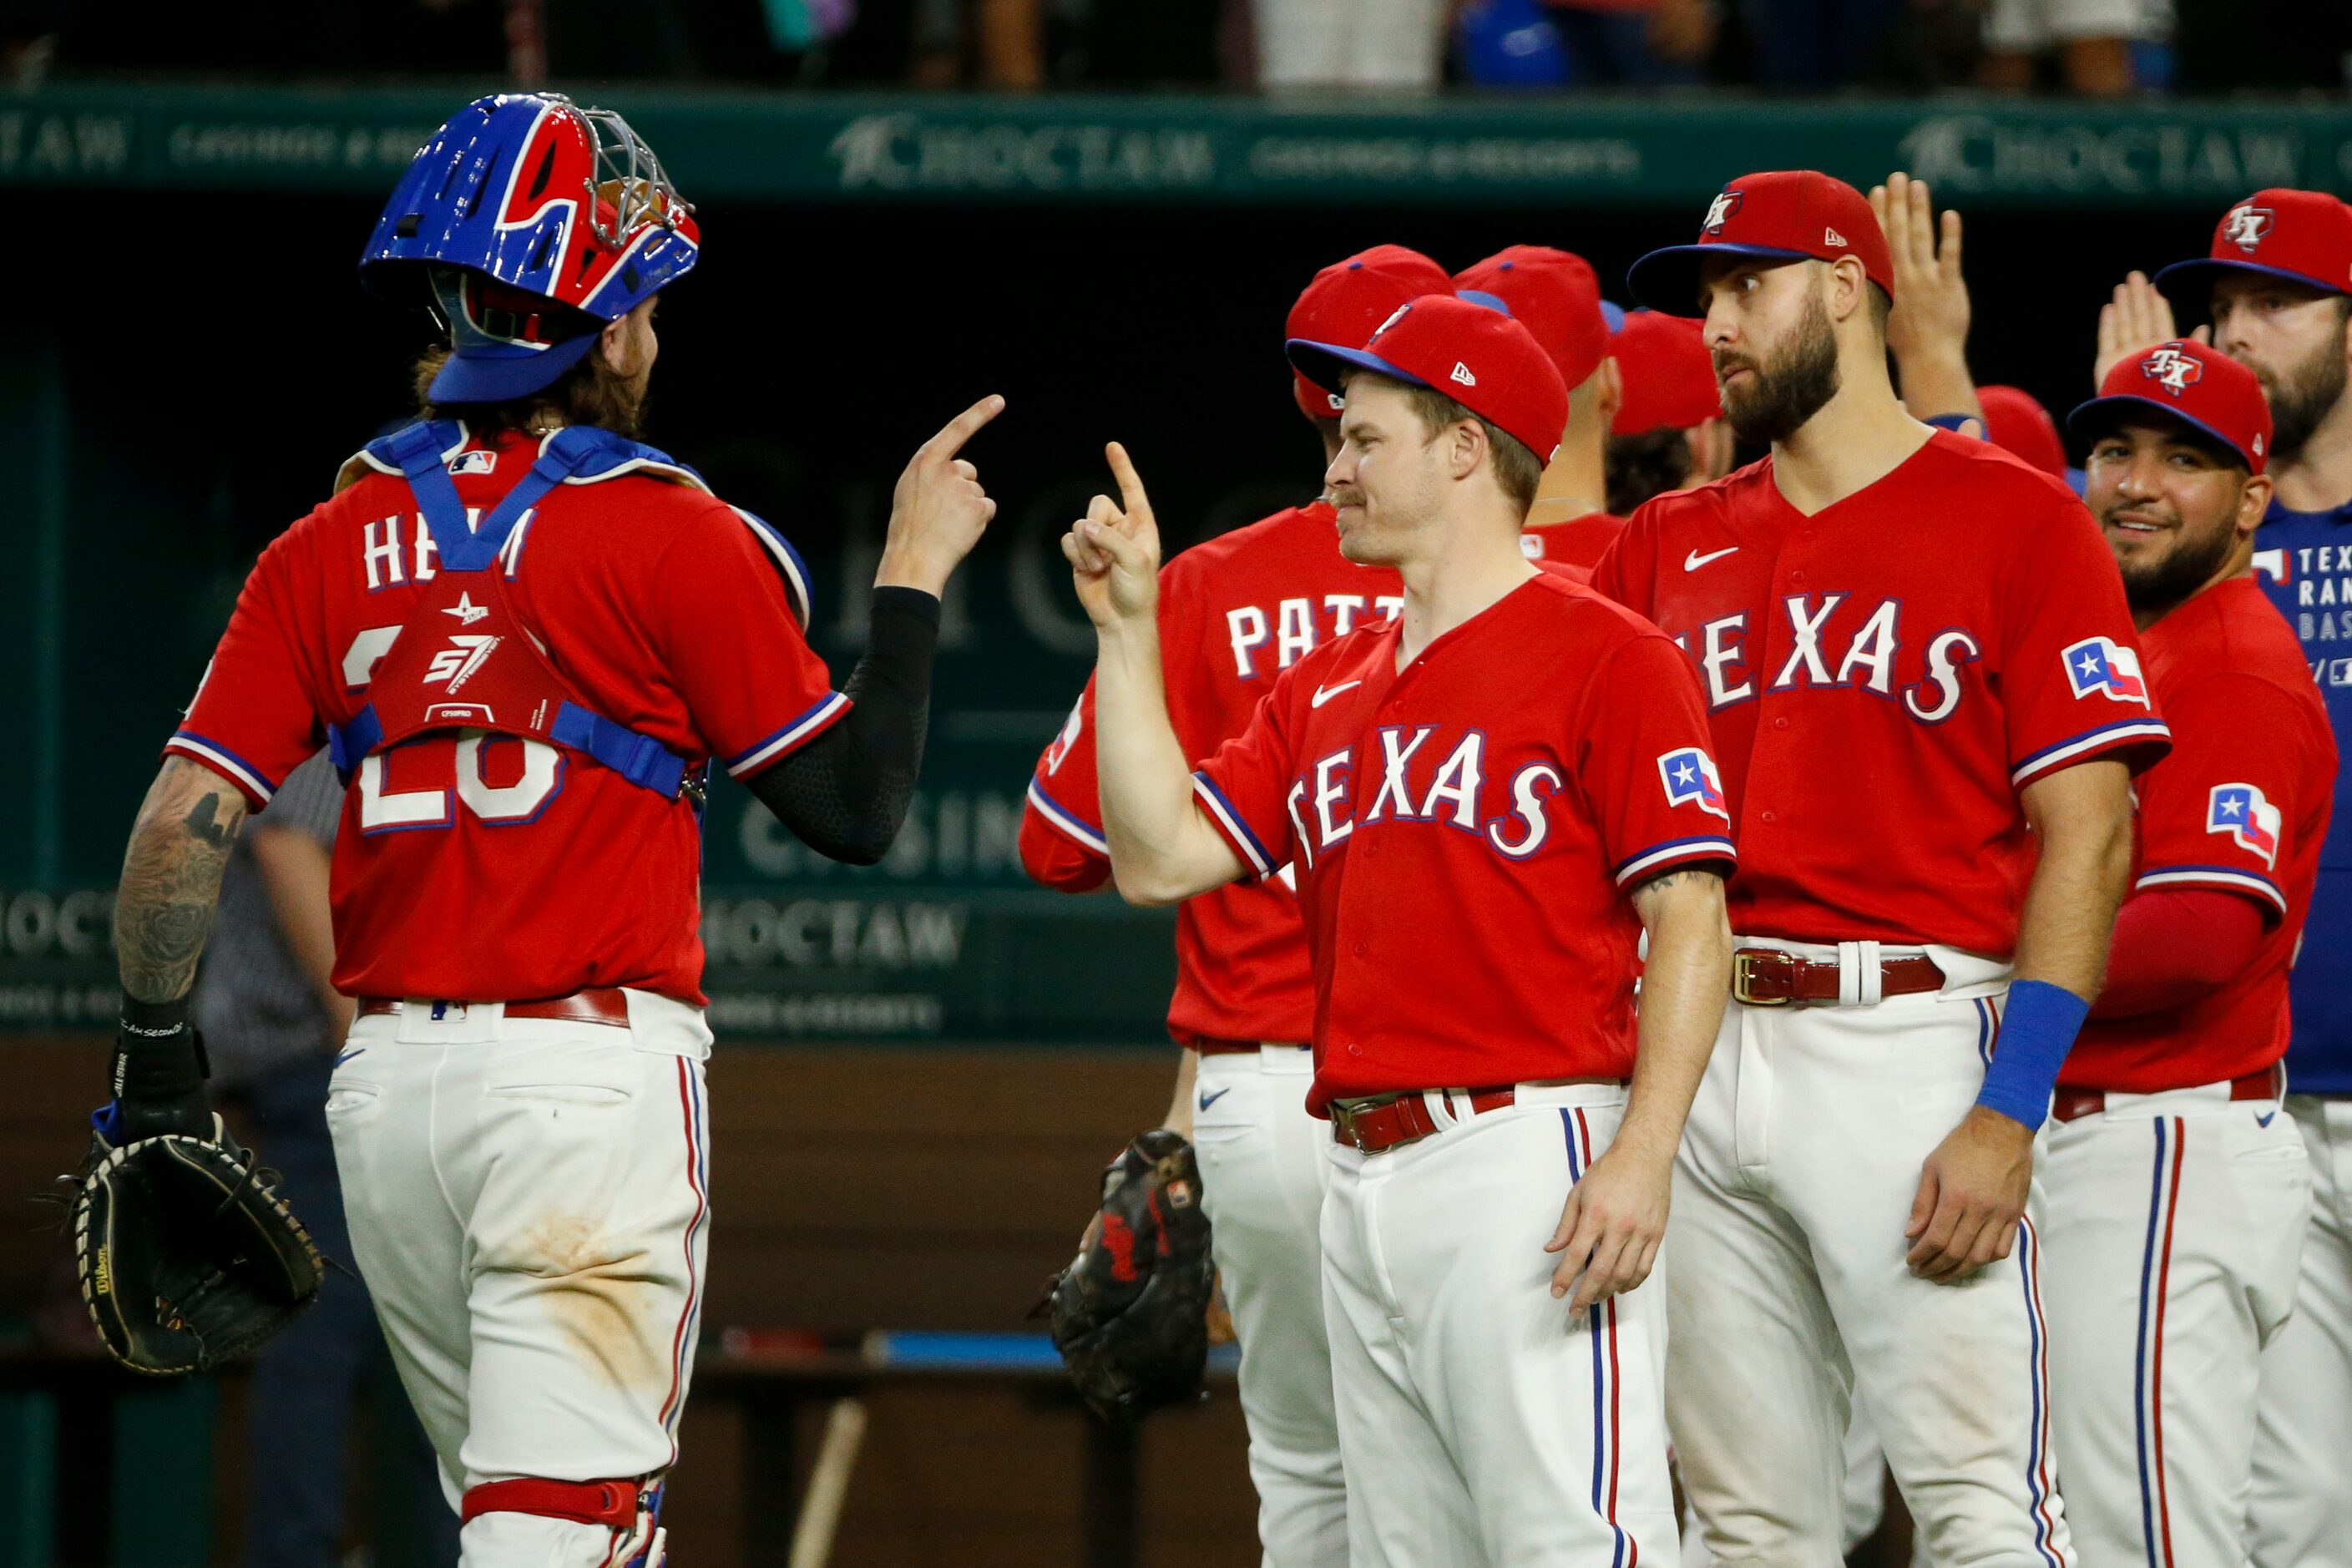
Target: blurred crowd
(2090, 47)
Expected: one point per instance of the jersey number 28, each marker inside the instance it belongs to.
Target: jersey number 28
(464, 757)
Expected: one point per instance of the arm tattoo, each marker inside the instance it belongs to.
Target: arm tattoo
(171, 879)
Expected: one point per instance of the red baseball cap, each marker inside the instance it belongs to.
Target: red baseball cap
(1557, 295)
(1476, 355)
(1348, 299)
(2016, 422)
(2199, 386)
(1669, 376)
(2305, 237)
(1789, 214)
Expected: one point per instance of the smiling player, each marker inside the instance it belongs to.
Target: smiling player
(2178, 1195)
(1486, 803)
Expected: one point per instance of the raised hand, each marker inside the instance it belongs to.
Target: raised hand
(937, 511)
(1114, 551)
(2138, 317)
(1929, 329)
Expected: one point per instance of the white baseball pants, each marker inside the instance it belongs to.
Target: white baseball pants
(1795, 1185)
(528, 1203)
(1480, 1423)
(1261, 1175)
(2174, 1223)
(2303, 1445)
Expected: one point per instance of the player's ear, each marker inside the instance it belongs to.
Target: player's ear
(1849, 288)
(1467, 449)
(2254, 501)
(1609, 388)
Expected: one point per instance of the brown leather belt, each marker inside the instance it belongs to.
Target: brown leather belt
(607, 1005)
(2072, 1104)
(1385, 1124)
(1225, 1048)
(1767, 977)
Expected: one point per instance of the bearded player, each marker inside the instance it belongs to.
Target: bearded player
(1555, 296)
(2178, 1195)
(525, 637)
(1484, 801)
(1922, 677)
(1234, 613)
(2277, 288)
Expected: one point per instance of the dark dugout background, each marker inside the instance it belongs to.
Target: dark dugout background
(216, 358)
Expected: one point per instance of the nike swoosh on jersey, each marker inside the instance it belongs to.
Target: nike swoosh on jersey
(1208, 1099)
(1694, 561)
(1325, 693)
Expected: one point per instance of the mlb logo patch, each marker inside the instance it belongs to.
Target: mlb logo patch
(2246, 227)
(474, 462)
(2172, 370)
(2251, 821)
(2272, 565)
(2101, 665)
(1690, 779)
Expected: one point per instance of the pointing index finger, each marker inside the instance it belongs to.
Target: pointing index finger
(964, 425)
(1132, 499)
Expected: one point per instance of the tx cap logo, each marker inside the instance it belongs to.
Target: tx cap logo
(2172, 370)
(1719, 212)
(2246, 227)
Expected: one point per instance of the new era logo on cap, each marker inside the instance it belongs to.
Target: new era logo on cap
(2244, 225)
(1462, 373)
(2172, 370)
(1832, 237)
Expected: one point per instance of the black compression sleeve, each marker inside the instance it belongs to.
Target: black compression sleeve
(846, 792)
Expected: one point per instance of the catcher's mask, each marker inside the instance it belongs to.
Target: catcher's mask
(525, 225)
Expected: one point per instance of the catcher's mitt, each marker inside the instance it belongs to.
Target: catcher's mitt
(187, 1255)
(1131, 1312)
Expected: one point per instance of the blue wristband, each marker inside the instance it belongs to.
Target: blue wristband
(2037, 1030)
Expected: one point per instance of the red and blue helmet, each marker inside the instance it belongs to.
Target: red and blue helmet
(525, 225)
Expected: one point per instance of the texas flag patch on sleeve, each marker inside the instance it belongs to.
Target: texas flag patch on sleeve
(2104, 667)
(1690, 779)
(2251, 821)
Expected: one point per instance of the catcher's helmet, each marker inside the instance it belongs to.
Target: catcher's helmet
(525, 223)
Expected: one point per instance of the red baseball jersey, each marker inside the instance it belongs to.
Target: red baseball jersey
(523, 874)
(1234, 612)
(2241, 805)
(1885, 678)
(1463, 833)
(1579, 543)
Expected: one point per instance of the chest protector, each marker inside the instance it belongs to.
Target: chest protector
(464, 660)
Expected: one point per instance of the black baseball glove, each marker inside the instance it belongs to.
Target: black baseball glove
(1131, 1312)
(186, 1253)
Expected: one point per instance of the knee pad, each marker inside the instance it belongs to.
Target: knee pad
(631, 1509)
